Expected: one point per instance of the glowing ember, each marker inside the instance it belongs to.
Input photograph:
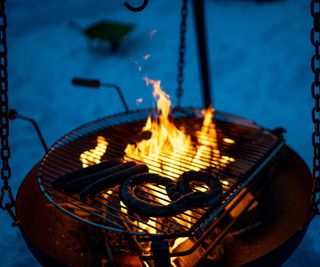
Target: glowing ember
(138, 65)
(139, 101)
(93, 156)
(152, 32)
(228, 141)
(225, 182)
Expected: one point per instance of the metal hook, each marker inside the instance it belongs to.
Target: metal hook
(136, 9)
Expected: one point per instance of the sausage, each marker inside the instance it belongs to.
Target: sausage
(77, 185)
(111, 180)
(71, 176)
(130, 199)
(214, 192)
(181, 194)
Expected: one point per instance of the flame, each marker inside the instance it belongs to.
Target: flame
(146, 57)
(93, 156)
(208, 144)
(139, 101)
(225, 182)
(161, 151)
(228, 141)
(169, 151)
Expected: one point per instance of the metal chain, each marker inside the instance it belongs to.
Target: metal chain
(6, 197)
(182, 48)
(315, 90)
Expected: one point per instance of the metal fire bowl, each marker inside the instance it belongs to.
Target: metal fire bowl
(56, 239)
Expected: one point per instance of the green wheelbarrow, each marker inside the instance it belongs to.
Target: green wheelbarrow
(105, 31)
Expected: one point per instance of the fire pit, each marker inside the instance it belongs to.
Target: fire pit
(246, 158)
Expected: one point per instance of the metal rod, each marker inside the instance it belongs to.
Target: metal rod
(13, 114)
(94, 83)
(161, 254)
(58, 174)
(117, 88)
(36, 127)
(198, 10)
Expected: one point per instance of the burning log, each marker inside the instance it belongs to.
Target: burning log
(69, 177)
(252, 215)
(111, 180)
(212, 259)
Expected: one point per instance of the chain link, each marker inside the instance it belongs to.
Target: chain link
(6, 197)
(182, 49)
(315, 91)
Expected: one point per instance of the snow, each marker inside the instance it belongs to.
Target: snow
(260, 64)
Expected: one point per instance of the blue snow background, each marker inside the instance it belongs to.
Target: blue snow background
(260, 64)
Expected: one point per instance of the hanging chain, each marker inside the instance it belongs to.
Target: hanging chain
(182, 48)
(315, 90)
(6, 197)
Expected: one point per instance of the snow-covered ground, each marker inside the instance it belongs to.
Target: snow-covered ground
(260, 63)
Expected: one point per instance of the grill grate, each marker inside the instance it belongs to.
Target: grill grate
(252, 150)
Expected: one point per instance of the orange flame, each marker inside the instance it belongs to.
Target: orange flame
(93, 156)
(166, 142)
(170, 151)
